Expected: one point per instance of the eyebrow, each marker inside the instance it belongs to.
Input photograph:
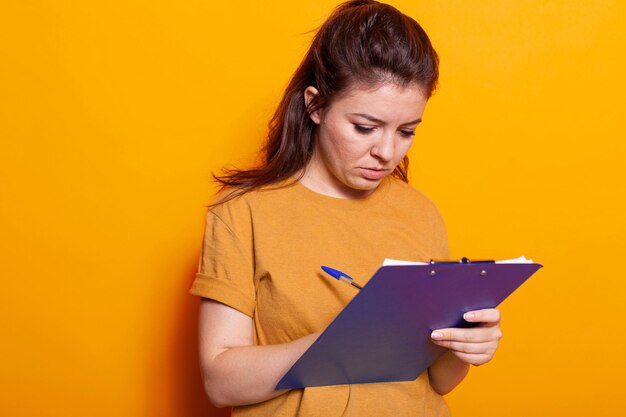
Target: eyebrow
(373, 119)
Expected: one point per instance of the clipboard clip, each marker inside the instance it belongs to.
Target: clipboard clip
(463, 260)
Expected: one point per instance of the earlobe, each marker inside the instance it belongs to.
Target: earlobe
(309, 94)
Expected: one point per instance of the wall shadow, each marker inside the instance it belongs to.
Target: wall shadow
(189, 396)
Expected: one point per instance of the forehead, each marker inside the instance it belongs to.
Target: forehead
(388, 100)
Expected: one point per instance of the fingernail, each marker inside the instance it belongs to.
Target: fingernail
(436, 335)
(468, 316)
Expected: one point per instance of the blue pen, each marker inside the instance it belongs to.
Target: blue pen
(341, 276)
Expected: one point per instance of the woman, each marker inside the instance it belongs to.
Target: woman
(331, 190)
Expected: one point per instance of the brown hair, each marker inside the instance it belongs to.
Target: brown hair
(363, 41)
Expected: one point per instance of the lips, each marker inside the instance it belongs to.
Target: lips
(373, 174)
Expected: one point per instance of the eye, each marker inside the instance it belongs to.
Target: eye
(363, 129)
(407, 133)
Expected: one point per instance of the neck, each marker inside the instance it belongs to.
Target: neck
(324, 182)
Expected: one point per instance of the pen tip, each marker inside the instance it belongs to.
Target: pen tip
(330, 271)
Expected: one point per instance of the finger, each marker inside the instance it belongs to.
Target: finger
(487, 348)
(473, 359)
(488, 315)
(473, 335)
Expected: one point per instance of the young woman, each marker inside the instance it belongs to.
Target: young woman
(332, 190)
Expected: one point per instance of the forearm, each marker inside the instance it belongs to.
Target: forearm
(447, 372)
(248, 374)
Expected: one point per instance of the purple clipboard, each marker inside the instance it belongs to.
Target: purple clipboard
(383, 333)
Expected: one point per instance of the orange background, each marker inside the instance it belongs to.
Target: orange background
(113, 115)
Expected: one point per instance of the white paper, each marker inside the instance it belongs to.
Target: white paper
(520, 260)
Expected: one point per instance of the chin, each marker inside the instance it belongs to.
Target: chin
(362, 186)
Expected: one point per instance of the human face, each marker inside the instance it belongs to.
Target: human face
(363, 135)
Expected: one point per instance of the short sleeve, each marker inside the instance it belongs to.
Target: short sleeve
(226, 269)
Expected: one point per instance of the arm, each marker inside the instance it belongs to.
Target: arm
(235, 371)
(475, 346)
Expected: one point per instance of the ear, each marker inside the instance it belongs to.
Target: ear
(309, 93)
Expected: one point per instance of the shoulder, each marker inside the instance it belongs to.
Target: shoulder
(419, 212)
(230, 204)
(410, 197)
(413, 206)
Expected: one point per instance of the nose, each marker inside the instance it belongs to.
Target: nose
(384, 147)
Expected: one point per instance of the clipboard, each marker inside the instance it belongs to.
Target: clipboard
(383, 333)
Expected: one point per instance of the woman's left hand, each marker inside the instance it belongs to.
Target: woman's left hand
(475, 345)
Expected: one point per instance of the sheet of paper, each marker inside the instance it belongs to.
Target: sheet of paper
(520, 260)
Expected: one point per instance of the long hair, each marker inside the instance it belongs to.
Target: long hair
(362, 42)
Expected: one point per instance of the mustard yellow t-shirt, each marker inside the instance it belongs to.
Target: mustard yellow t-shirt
(262, 254)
